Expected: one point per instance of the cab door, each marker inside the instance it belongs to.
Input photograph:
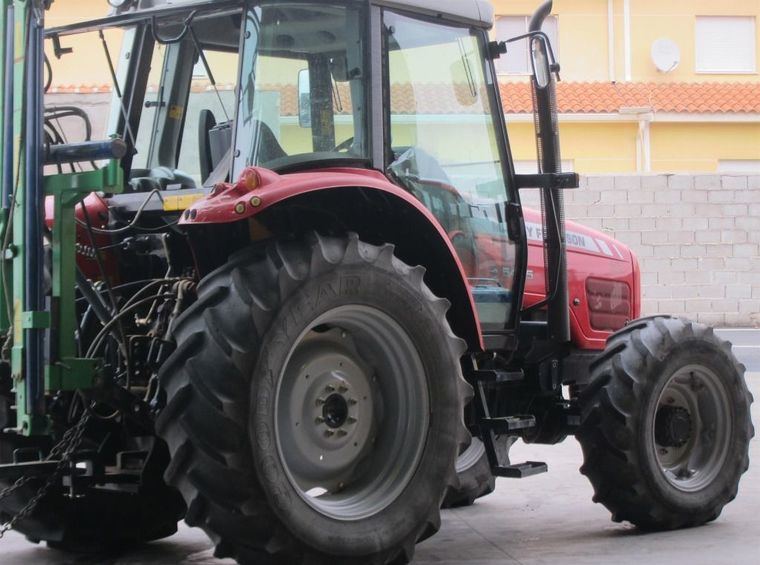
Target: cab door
(446, 147)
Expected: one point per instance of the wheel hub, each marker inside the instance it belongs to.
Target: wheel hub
(672, 426)
(335, 411)
(331, 413)
(339, 405)
(351, 412)
(691, 428)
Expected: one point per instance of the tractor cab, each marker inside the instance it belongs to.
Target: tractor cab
(293, 87)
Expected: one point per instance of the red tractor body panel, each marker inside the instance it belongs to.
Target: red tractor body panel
(259, 189)
(591, 254)
(98, 214)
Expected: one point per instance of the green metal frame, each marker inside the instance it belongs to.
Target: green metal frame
(4, 321)
(64, 370)
(67, 372)
(15, 258)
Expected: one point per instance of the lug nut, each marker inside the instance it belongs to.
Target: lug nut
(330, 388)
(342, 433)
(319, 420)
(351, 420)
(342, 389)
(320, 401)
(329, 433)
(352, 401)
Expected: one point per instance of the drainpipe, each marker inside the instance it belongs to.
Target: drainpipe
(611, 38)
(645, 139)
(627, 38)
(643, 115)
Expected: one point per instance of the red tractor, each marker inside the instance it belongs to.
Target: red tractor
(307, 326)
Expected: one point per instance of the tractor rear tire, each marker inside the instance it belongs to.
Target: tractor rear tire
(474, 477)
(314, 405)
(666, 426)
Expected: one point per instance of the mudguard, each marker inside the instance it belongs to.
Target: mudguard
(259, 189)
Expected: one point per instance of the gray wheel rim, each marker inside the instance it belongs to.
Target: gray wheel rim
(470, 456)
(697, 462)
(352, 412)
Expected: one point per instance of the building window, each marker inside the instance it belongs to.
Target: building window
(726, 44)
(517, 60)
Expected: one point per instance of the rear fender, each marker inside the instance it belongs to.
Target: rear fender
(263, 204)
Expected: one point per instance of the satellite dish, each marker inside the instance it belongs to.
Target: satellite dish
(666, 55)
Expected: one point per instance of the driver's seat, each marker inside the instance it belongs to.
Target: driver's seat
(269, 147)
(206, 122)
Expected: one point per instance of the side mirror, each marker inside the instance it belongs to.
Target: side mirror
(539, 55)
(304, 99)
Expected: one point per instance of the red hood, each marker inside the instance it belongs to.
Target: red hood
(580, 239)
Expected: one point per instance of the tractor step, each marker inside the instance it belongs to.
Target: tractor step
(496, 377)
(521, 470)
(507, 424)
(15, 471)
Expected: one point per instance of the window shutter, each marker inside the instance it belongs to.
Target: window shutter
(516, 59)
(725, 44)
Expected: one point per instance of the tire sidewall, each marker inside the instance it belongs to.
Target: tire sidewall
(396, 296)
(696, 352)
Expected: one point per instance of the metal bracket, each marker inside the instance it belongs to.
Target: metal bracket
(557, 181)
(496, 49)
(35, 320)
(59, 51)
(71, 374)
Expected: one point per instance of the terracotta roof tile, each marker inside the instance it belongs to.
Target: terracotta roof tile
(572, 97)
(605, 97)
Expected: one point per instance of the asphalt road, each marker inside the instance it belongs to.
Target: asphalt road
(540, 520)
(746, 346)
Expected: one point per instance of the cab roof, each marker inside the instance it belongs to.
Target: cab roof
(471, 12)
(478, 12)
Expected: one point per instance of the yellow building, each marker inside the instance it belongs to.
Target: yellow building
(648, 85)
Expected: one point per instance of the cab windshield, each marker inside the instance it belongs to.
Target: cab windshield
(303, 102)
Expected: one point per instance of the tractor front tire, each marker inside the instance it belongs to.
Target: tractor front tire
(666, 426)
(314, 405)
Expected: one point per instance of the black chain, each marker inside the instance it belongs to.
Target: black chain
(65, 449)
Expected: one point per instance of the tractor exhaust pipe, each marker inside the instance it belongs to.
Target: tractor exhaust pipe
(540, 15)
(548, 146)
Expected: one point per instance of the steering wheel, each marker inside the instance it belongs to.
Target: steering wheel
(345, 145)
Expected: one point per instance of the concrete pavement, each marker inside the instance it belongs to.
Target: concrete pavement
(550, 519)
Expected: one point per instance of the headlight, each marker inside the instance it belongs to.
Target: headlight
(609, 304)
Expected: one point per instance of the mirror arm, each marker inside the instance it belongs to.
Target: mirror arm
(59, 51)
(553, 64)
